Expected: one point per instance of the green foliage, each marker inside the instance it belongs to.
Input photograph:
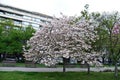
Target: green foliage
(108, 40)
(12, 37)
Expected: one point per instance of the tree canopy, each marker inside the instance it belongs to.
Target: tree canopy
(12, 38)
(63, 37)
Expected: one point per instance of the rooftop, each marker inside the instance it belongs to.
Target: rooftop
(22, 10)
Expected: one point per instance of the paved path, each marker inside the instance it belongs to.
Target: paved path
(52, 69)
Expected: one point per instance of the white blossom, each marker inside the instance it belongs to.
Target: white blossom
(63, 37)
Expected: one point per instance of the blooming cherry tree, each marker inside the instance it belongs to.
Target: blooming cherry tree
(63, 38)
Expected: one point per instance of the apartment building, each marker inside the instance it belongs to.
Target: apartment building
(22, 17)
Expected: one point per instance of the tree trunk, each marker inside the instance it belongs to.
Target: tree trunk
(116, 70)
(4, 56)
(109, 61)
(88, 66)
(0, 57)
(17, 56)
(103, 60)
(64, 64)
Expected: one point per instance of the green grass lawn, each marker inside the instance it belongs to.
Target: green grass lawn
(56, 76)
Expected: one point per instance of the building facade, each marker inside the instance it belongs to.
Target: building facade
(22, 17)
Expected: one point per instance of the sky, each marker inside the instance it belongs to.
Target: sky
(67, 7)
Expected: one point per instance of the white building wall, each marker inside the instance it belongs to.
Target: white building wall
(34, 19)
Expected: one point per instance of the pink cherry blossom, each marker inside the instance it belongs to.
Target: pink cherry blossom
(63, 37)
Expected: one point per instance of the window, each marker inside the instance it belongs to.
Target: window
(38, 20)
(9, 14)
(18, 23)
(25, 23)
(43, 20)
(16, 15)
(35, 19)
(35, 25)
(2, 12)
(27, 17)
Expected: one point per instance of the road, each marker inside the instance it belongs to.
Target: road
(24, 69)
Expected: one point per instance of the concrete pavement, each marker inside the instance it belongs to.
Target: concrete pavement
(24, 69)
